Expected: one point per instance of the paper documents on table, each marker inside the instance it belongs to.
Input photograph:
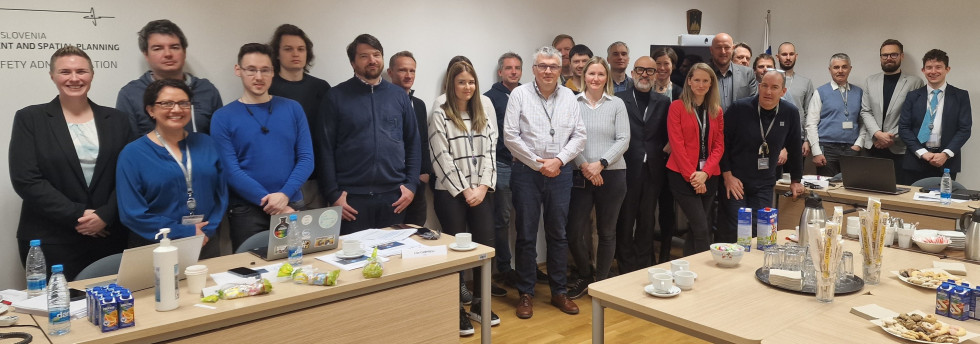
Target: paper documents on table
(348, 264)
(932, 196)
(38, 305)
(374, 236)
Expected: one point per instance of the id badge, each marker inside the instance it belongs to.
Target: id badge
(701, 165)
(552, 149)
(848, 125)
(763, 163)
(191, 219)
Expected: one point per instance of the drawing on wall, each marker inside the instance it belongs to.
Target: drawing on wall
(90, 14)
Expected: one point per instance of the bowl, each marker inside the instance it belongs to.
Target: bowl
(930, 247)
(727, 255)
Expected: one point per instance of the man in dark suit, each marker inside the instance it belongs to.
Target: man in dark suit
(646, 160)
(936, 122)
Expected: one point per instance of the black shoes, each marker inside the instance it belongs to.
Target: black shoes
(465, 326)
(475, 314)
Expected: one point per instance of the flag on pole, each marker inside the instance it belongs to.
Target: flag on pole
(765, 38)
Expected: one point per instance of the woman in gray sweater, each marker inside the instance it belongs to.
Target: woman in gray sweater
(599, 179)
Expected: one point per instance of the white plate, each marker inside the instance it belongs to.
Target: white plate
(454, 247)
(906, 279)
(969, 335)
(953, 234)
(673, 291)
(341, 255)
(3, 308)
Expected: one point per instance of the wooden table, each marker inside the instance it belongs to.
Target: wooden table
(730, 305)
(930, 215)
(417, 300)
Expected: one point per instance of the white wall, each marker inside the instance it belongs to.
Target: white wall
(821, 28)
(434, 30)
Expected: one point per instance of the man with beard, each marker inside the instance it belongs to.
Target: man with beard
(370, 158)
(618, 55)
(799, 89)
(833, 125)
(881, 106)
(646, 166)
(735, 81)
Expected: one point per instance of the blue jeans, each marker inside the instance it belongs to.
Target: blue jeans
(501, 216)
(531, 190)
(755, 197)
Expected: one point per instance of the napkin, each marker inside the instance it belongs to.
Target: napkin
(873, 311)
(792, 280)
(951, 267)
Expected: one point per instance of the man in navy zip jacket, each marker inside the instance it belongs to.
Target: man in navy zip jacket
(370, 155)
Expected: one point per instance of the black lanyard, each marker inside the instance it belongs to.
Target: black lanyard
(702, 118)
(764, 148)
(545, 107)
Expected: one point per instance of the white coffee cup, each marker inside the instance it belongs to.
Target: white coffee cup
(684, 279)
(679, 265)
(352, 247)
(786, 176)
(654, 271)
(464, 240)
(662, 283)
(197, 277)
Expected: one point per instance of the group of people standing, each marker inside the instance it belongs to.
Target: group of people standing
(584, 135)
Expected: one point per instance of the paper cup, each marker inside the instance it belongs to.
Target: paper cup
(197, 277)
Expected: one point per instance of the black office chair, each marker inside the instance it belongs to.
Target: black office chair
(102, 267)
(255, 241)
(933, 183)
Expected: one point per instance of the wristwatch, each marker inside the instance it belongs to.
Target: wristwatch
(604, 163)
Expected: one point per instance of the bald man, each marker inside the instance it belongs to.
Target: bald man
(734, 81)
(646, 161)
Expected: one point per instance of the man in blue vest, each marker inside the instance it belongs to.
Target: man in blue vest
(833, 121)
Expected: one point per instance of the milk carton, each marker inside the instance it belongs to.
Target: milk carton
(745, 228)
(766, 227)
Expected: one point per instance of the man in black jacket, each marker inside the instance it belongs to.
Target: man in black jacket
(401, 71)
(756, 130)
(646, 160)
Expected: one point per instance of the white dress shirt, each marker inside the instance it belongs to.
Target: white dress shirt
(937, 128)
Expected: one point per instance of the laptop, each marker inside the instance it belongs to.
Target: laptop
(136, 267)
(870, 174)
(322, 226)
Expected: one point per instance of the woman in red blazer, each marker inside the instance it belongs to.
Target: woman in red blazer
(695, 131)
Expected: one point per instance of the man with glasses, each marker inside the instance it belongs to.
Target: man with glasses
(799, 89)
(265, 147)
(755, 129)
(370, 159)
(544, 132)
(833, 121)
(881, 106)
(164, 46)
(646, 167)
(735, 81)
(618, 55)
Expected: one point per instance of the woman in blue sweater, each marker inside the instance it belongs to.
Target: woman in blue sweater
(170, 178)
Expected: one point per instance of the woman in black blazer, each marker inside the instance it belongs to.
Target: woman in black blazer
(63, 166)
(666, 60)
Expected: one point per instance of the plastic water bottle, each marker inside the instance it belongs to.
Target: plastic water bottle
(37, 271)
(295, 245)
(59, 316)
(946, 188)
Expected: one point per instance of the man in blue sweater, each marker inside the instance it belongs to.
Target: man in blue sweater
(265, 147)
(164, 46)
(370, 160)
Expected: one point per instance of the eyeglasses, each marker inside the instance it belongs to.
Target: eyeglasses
(170, 105)
(641, 70)
(546, 67)
(890, 56)
(253, 71)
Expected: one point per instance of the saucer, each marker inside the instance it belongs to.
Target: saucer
(454, 247)
(673, 291)
(341, 255)
(783, 181)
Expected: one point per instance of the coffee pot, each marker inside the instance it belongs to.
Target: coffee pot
(813, 213)
(970, 223)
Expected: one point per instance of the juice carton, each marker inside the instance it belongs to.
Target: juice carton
(745, 228)
(958, 303)
(766, 227)
(109, 312)
(942, 299)
(127, 310)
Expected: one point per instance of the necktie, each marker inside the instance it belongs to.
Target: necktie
(926, 129)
